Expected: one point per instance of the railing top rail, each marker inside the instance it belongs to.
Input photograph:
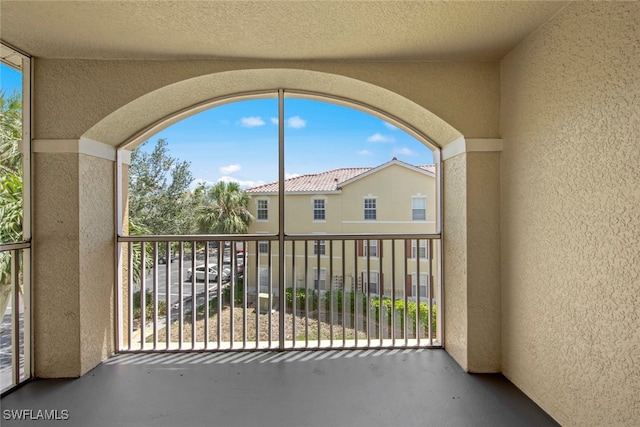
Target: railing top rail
(14, 246)
(288, 237)
(363, 236)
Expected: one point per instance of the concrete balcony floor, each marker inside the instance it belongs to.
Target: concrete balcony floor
(297, 388)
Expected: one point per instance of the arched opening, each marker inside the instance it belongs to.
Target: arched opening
(373, 279)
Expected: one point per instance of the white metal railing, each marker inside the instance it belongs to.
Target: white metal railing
(15, 336)
(223, 292)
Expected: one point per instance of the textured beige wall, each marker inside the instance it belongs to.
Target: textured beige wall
(56, 284)
(472, 260)
(454, 236)
(570, 215)
(483, 261)
(97, 260)
(463, 94)
(74, 268)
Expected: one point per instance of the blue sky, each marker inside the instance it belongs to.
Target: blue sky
(239, 141)
(10, 79)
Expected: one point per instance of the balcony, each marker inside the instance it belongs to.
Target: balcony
(347, 292)
(411, 387)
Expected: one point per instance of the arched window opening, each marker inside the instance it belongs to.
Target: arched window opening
(291, 221)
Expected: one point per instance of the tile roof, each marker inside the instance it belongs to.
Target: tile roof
(321, 182)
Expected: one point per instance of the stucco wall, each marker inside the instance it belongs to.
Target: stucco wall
(455, 258)
(570, 215)
(97, 260)
(56, 254)
(483, 261)
(463, 94)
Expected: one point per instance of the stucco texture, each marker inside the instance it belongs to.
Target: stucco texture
(472, 260)
(570, 216)
(97, 260)
(56, 247)
(483, 261)
(461, 97)
(74, 275)
(454, 243)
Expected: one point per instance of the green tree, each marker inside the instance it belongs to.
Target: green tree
(10, 186)
(222, 209)
(158, 191)
(10, 133)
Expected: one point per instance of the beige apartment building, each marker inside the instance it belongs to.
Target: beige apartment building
(392, 198)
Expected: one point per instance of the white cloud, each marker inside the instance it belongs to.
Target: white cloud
(241, 183)
(405, 151)
(291, 175)
(296, 122)
(364, 153)
(227, 170)
(390, 126)
(250, 122)
(378, 137)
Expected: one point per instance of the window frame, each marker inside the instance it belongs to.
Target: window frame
(317, 210)
(414, 285)
(322, 244)
(422, 252)
(373, 274)
(414, 210)
(264, 209)
(368, 209)
(373, 243)
(317, 281)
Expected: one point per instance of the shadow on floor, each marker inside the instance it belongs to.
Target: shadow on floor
(319, 388)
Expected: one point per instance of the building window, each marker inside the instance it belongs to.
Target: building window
(421, 252)
(319, 247)
(419, 209)
(371, 248)
(263, 247)
(263, 210)
(318, 210)
(372, 279)
(423, 285)
(370, 209)
(321, 282)
(423, 249)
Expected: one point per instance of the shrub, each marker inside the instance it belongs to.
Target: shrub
(301, 299)
(238, 293)
(148, 302)
(337, 299)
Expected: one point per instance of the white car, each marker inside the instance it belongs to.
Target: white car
(213, 274)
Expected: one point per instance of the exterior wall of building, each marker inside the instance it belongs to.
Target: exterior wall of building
(570, 220)
(394, 187)
(465, 95)
(108, 102)
(73, 239)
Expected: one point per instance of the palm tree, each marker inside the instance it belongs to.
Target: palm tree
(223, 209)
(10, 186)
(10, 133)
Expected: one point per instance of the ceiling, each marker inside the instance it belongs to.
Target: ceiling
(272, 30)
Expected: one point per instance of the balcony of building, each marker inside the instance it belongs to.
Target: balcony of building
(532, 107)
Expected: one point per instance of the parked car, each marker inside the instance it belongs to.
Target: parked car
(213, 274)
